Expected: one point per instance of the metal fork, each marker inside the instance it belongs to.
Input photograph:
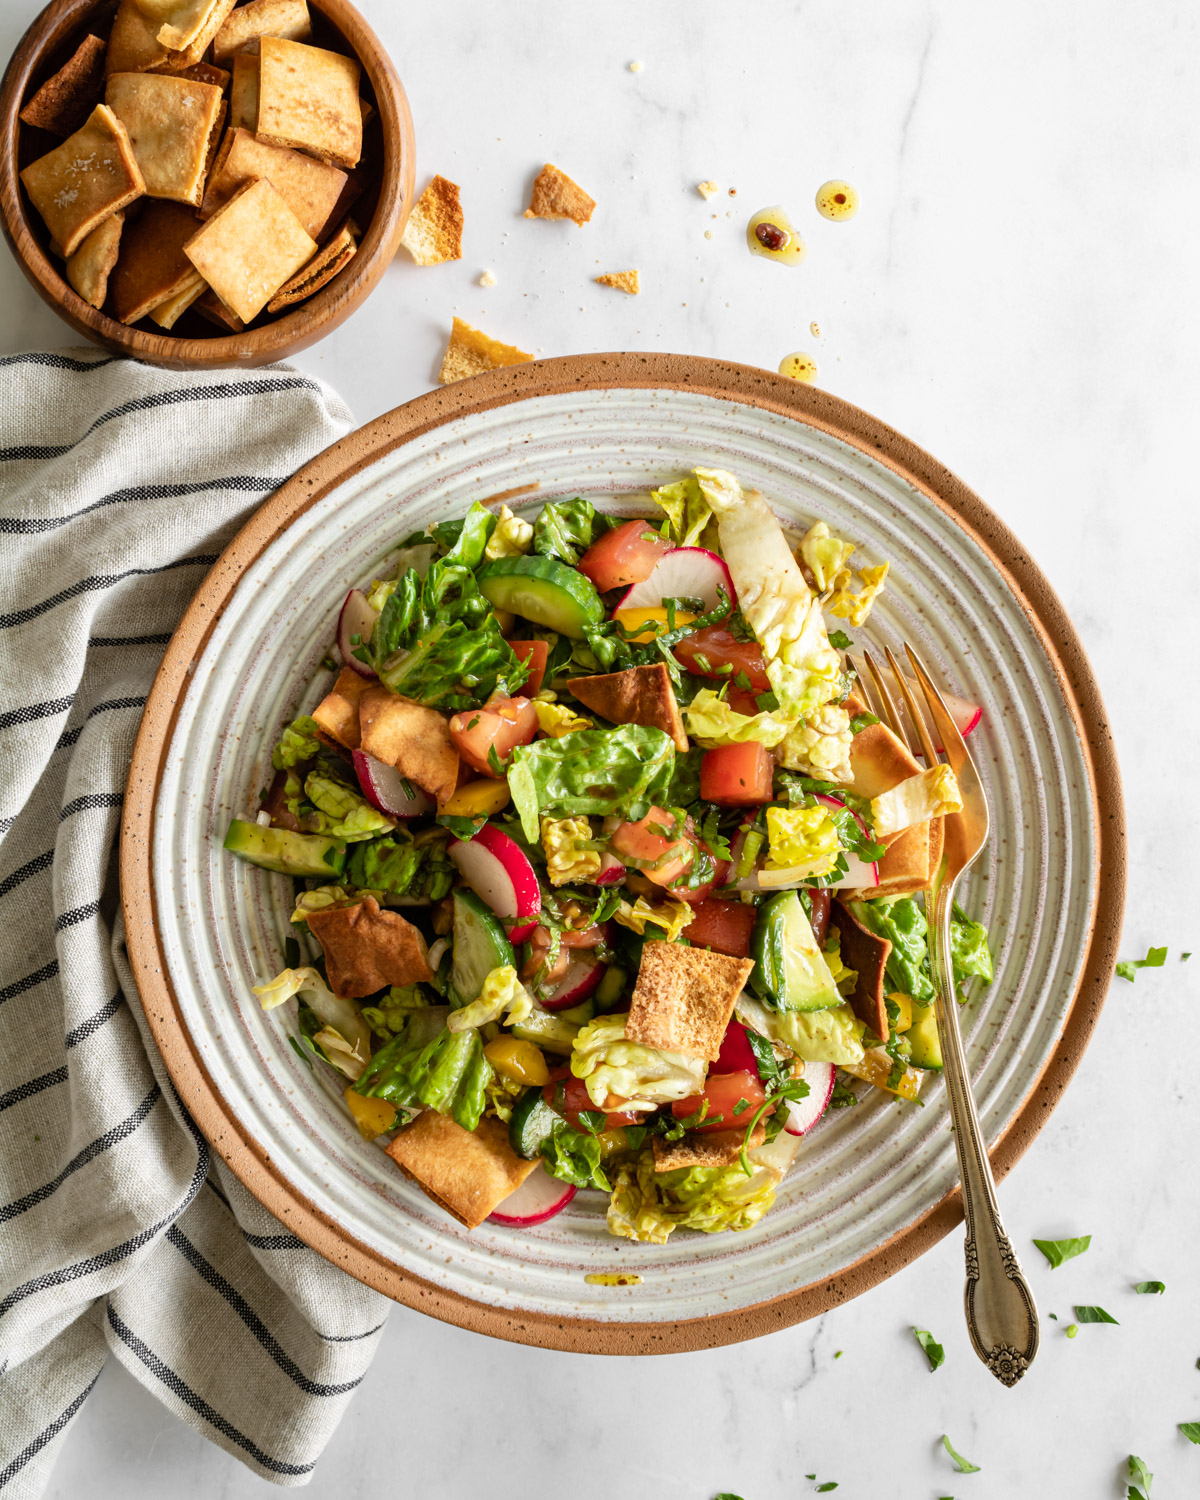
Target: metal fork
(1001, 1313)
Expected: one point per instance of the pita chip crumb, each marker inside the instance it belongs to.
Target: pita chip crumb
(623, 281)
(249, 23)
(707, 189)
(471, 352)
(170, 121)
(78, 184)
(250, 247)
(434, 230)
(88, 269)
(64, 102)
(555, 196)
(487, 278)
(712, 1148)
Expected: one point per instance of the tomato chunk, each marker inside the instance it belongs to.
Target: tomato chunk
(659, 858)
(706, 651)
(576, 1100)
(536, 654)
(718, 874)
(737, 775)
(624, 556)
(736, 1054)
(724, 926)
(724, 1091)
(486, 737)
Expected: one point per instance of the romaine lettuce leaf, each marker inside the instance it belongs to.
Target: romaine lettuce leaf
(903, 923)
(564, 529)
(688, 513)
(347, 1037)
(342, 812)
(931, 793)
(833, 1035)
(648, 1206)
(511, 538)
(969, 951)
(671, 916)
(446, 1071)
(568, 858)
(596, 771)
(572, 1156)
(645, 1076)
(297, 743)
(710, 721)
(502, 996)
(801, 839)
(825, 554)
(398, 866)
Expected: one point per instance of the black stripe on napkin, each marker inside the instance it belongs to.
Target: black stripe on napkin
(99, 581)
(11, 991)
(34, 866)
(34, 1086)
(33, 711)
(56, 361)
(94, 1023)
(47, 1435)
(69, 736)
(91, 800)
(36, 525)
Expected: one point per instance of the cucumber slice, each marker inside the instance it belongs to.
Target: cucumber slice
(790, 972)
(480, 945)
(924, 1040)
(550, 1032)
(580, 1014)
(532, 1122)
(544, 591)
(299, 854)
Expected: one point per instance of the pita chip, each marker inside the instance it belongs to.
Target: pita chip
(879, 761)
(684, 997)
(186, 24)
(168, 313)
(64, 102)
(337, 712)
(471, 352)
(89, 268)
(133, 44)
(708, 1148)
(469, 1173)
(250, 247)
(170, 121)
(203, 72)
(367, 949)
(325, 265)
(308, 98)
(413, 738)
(243, 93)
(80, 183)
(249, 23)
(210, 306)
(152, 267)
(555, 196)
(434, 230)
(309, 188)
(638, 695)
(866, 953)
(623, 281)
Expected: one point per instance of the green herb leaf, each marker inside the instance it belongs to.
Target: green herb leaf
(934, 1352)
(1143, 1287)
(963, 1465)
(862, 721)
(1058, 1251)
(1093, 1315)
(1191, 1431)
(1183, 957)
(563, 529)
(1144, 1479)
(1154, 959)
(830, 1484)
(725, 1495)
(839, 640)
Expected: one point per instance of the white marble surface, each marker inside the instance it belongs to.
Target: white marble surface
(1018, 294)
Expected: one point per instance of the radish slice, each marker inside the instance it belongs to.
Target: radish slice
(804, 1113)
(612, 871)
(583, 975)
(356, 619)
(500, 874)
(538, 1198)
(385, 788)
(736, 1054)
(859, 872)
(682, 573)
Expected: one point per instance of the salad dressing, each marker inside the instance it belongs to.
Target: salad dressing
(799, 366)
(771, 234)
(612, 1278)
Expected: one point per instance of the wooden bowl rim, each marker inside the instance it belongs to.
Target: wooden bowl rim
(731, 382)
(311, 319)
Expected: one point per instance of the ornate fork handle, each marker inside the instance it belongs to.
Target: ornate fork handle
(1001, 1313)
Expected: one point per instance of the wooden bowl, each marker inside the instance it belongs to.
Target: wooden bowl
(44, 48)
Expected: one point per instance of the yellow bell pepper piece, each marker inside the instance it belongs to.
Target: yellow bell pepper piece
(904, 1020)
(518, 1060)
(372, 1116)
(478, 799)
(876, 1067)
(642, 620)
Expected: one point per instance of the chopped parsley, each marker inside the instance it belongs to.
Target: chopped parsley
(862, 721)
(934, 1352)
(830, 1484)
(1144, 1287)
(1058, 1251)
(1094, 1315)
(1154, 959)
(1191, 1431)
(963, 1465)
(1139, 1472)
(839, 640)
(493, 760)
(843, 1096)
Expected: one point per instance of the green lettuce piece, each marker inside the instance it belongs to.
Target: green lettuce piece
(903, 923)
(590, 772)
(447, 1072)
(572, 1156)
(969, 951)
(689, 514)
(397, 866)
(649, 1206)
(647, 1076)
(391, 1014)
(297, 743)
(685, 779)
(564, 529)
(711, 721)
(343, 812)
(833, 1035)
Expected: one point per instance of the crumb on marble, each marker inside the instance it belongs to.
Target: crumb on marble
(623, 281)
(488, 278)
(707, 189)
(635, 67)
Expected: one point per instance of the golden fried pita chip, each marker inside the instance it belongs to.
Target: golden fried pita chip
(250, 247)
(638, 695)
(168, 313)
(684, 997)
(170, 121)
(80, 183)
(555, 196)
(879, 761)
(337, 712)
(308, 98)
(152, 266)
(89, 268)
(64, 102)
(243, 93)
(246, 25)
(210, 306)
(215, 141)
(434, 230)
(309, 188)
(471, 352)
(200, 72)
(133, 44)
(624, 281)
(366, 949)
(329, 262)
(186, 24)
(413, 738)
(867, 954)
(708, 1148)
(468, 1173)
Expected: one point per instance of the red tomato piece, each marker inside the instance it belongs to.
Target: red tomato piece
(724, 926)
(576, 1101)
(535, 653)
(736, 1055)
(501, 726)
(724, 1091)
(720, 648)
(624, 556)
(742, 702)
(737, 775)
(694, 894)
(660, 859)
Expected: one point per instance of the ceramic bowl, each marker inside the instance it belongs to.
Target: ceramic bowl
(872, 1186)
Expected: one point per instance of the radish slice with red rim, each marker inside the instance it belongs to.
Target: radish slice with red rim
(356, 619)
(803, 1114)
(584, 973)
(682, 573)
(538, 1198)
(611, 872)
(385, 788)
(499, 872)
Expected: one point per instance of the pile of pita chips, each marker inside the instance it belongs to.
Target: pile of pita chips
(228, 111)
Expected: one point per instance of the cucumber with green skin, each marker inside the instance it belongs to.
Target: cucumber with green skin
(547, 592)
(546, 1030)
(311, 855)
(924, 1040)
(480, 945)
(532, 1122)
(790, 972)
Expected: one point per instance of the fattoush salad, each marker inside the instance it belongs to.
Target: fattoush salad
(605, 877)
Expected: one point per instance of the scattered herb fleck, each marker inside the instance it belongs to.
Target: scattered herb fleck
(1093, 1315)
(934, 1352)
(1154, 959)
(1058, 1251)
(1149, 1286)
(1191, 1431)
(1071, 1330)
(1053, 1315)
(838, 1353)
(1139, 1472)
(830, 1484)
(963, 1465)
(839, 640)
(1183, 957)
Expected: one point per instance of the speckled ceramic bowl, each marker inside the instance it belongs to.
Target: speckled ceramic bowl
(872, 1186)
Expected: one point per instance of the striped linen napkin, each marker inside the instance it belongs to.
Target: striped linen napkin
(120, 1233)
